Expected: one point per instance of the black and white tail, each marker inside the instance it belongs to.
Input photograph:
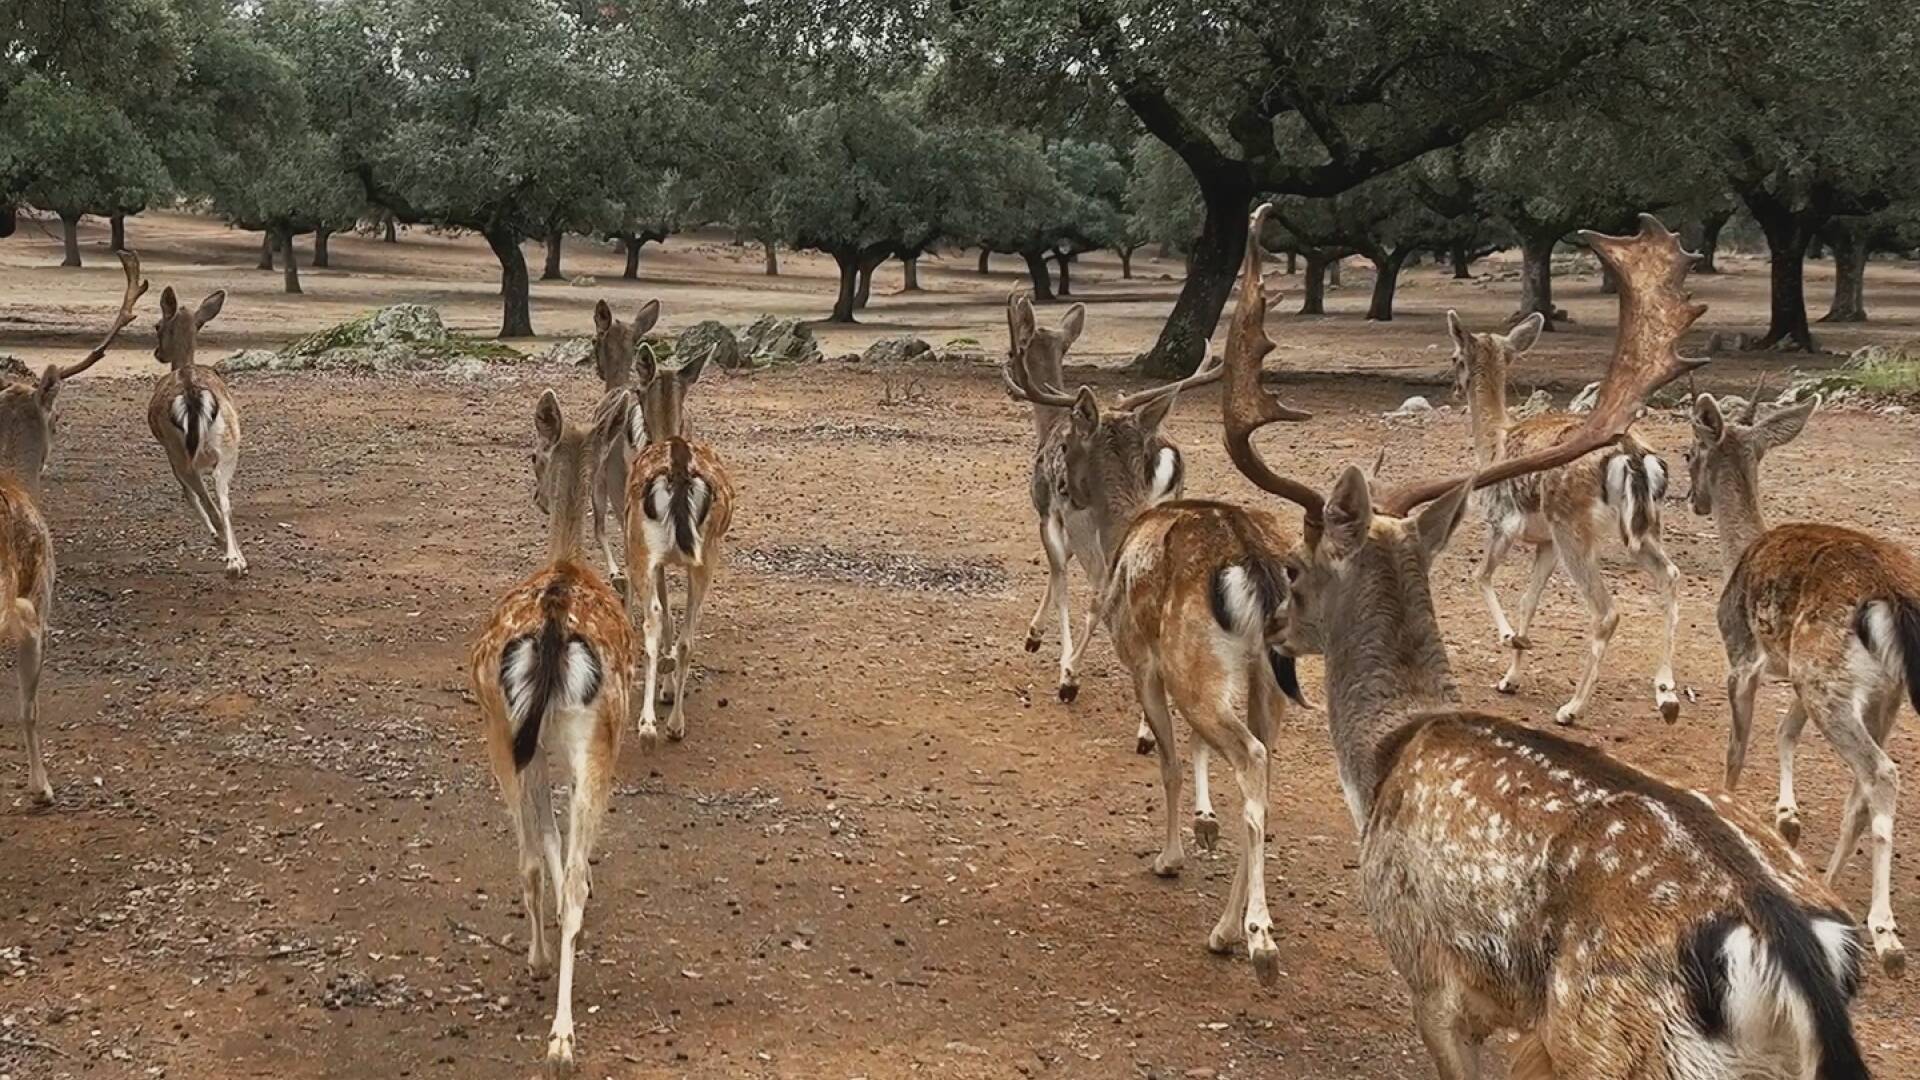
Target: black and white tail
(678, 500)
(548, 669)
(1249, 601)
(194, 411)
(1636, 482)
(1890, 629)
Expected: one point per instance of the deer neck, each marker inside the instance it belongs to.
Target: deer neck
(1385, 664)
(1736, 514)
(1487, 411)
(1045, 369)
(665, 418)
(567, 509)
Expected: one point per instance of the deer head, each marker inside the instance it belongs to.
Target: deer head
(1041, 352)
(1723, 464)
(1485, 360)
(178, 328)
(28, 418)
(664, 398)
(614, 341)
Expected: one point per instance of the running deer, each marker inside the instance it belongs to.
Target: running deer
(551, 673)
(28, 422)
(1564, 513)
(195, 421)
(616, 346)
(679, 503)
(1626, 927)
(1093, 470)
(1835, 612)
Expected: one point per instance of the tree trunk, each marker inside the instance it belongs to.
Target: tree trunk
(863, 285)
(983, 259)
(1066, 278)
(118, 225)
(1609, 284)
(390, 233)
(1710, 227)
(632, 270)
(290, 265)
(1849, 243)
(1039, 276)
(1816, 248)
(70, 237)
(773, 258)
(1536, 278)
(1788, 234)
(849, 286)
(1462, 262)
(516, 320)
(1293, 263)
(1313, 298)
(320, 259)
(910, 272)
(1386, 278)
(1333, 273)
(9, 220)
(1211, 266)
(1126, 264)
(551, 272)
(266, 252)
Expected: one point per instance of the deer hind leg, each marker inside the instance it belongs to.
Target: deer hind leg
(1652, 557)
(1152, 692)
(1206, 827)
(529, 805)
(665, 594)
(592, 781)
(1448, 1035)
(30, 657)
(1577, 558)
(698, 578)
(1499, 543)
(1053, 537)
(1213, 718)
(1544, 558)
(222, 480)
(1786, 812)
(643, 592)
(1743, 682)
(1055, 545)
(601, 534)
(1855, 726)
(196, 491)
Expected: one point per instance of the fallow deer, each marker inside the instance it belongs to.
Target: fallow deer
(1564, 513)
(1835, 612)
(551, 673)
(1090, 475)
(1626, 927)
(196, 422)
(679, 504)
(615, 345)
(28, 422)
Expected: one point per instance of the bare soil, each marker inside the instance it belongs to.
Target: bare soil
(884, 849)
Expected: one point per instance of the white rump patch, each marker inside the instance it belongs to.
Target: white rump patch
(1758, 999)
(209, 408)
(1242, 600)
(659, 497)
(697, 496)
(1656, 477)
(1840, 943)
(579, 678)
(1166, 469)
(516, 678)
(1619, 479)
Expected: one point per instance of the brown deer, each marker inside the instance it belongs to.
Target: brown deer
(679, 504)
(1564, 513)
(196, 422)
(28, 422)
(551, 672)
(615, 345)
(1092, 470)
(1835, 612)
(1626, 927)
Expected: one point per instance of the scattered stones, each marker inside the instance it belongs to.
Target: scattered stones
(1413, 406)
(880, 569)
(894, 350)
(570, 352)
(772, 340)
(710, 335)
(12, 367)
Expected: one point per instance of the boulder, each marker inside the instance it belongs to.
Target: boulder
(894, 350)
(574, 352)
(12, 367)
(772, 340)
(696, 340)
(402, 337)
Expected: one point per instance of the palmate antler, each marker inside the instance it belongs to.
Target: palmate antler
(1210, 370)
(1655, 313)
(1244, 406)
(136, 288)
(1021, 386)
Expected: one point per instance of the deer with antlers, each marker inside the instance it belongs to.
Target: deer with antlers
(1563, 512)
(1833, 611)
(551, 673)
(1626, 927)
(195, 420)
(1093, 469)
(28, 422)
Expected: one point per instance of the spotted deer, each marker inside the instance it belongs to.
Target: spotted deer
(1833, 611)
(1092, 470)
(28, 423)
(196, 422)
(551, 672)
(1626, 927)
(679, 504)
(1564, 513)
(616, 345)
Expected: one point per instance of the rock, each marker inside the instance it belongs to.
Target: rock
(401, 337)
(12, 367)
(1413, 406)
(894, 350)
(696, 340)
(576, 352)
(583, 281)
(1537, 402)
(772, 340)
(1583, 401)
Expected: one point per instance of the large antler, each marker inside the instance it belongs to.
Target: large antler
(1021, 387)
(1210, 371)
(1655, 313)
(136, 288)
(1244, 406)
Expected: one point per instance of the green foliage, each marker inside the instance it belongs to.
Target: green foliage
(76, 152)
(1163, 202)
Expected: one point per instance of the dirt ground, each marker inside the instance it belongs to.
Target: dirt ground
(884, 849)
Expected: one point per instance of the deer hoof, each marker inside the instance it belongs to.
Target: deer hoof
(1206, 831)
(1167, 866)
(1264, 954)
(1507, 686)
(1068, 692)
(1566, 715)
(560, 1056)
(649, 736)
(1143, 744)
(1669, 703)
(43, 794)
(1516, 642)
(236, 567)
(1033, 641)
(1787, 821)
(676, 728)
(1893, 955)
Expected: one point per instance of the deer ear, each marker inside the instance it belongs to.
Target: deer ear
(1782, 426)
(1086, 412)
(1522, 337)
(1155, 412)
(648, 314)
(1461, 339)
(209, 308)
(49, 386)
(1348, 515)
(547, 423)
(1708, 422)
(169, 303)
(602, 317)
(1437, 522)
(645, 365)
(1019, 321)
(691, 372)
(1074, 321)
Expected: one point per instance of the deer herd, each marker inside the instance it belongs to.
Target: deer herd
(1616, 924)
